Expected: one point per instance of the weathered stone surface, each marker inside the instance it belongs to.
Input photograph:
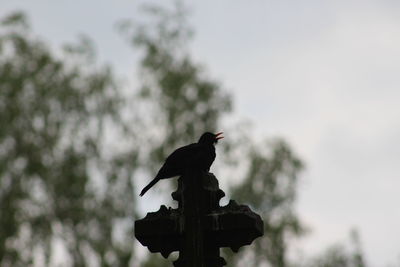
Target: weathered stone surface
(160, 231)
(234, 226)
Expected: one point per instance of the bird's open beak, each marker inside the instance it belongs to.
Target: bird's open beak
(217, 136)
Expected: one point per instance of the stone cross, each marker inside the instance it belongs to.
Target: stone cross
(199, 226)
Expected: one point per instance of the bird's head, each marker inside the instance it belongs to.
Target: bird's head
(210, 138)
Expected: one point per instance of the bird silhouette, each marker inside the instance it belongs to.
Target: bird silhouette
(198, 155)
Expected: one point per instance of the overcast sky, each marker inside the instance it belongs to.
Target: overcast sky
(325, 75)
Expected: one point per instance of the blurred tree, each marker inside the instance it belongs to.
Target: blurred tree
(340, 256)
(270, 187)
(174, 89)
(63, 190)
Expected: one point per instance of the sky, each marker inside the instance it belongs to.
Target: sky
(324, 75)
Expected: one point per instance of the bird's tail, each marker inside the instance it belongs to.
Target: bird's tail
(147, 187)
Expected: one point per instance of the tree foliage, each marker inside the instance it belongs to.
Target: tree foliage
(183, 102)
(54, 165)
(270, 187)
(341, 256)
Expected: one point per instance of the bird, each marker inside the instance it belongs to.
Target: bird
(198, 155)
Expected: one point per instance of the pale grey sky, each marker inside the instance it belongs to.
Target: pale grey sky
(323, 74)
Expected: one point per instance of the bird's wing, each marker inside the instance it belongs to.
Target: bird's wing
(183, 154)
(177, 162)
(194, 155)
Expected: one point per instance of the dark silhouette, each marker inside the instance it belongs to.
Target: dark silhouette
(199, 155)
(199, 227)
